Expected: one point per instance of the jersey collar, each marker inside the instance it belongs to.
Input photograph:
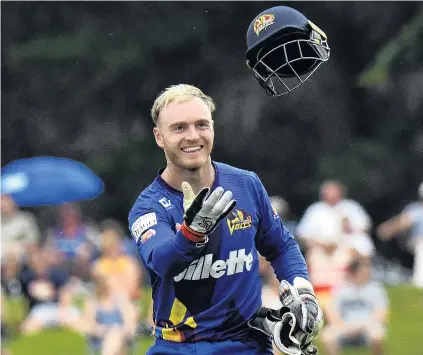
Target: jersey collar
(169, 188)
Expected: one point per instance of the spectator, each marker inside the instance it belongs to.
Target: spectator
(44, 288)
(326, 264)
(121, 269)
(358, 314)
(110, 319)
(282, 208)
(10, 276)
(334, 216)
(410, 219)
(73, 242)
(19, 229)
(110, 226)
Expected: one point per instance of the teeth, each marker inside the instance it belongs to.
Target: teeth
(191, 149)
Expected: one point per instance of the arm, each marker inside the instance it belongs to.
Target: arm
(130, 316)
(275, 242)
(157, 242)
(133, 277)
(168, 253)
(89, 324)
(381, 304)
(380, 315)
(394, 226)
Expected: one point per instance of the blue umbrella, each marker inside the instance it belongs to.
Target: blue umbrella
(45, 181)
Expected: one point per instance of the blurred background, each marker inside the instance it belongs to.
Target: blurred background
(78, 81)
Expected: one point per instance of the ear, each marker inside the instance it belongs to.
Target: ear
(158, 137)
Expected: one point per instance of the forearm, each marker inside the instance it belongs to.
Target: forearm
(379, 316)
(288, 262)
(178, 253)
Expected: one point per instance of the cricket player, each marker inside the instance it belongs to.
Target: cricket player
(199, 228)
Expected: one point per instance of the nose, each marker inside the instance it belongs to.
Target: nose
(192, 133)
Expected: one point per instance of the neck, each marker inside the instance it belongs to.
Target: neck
(203, 177)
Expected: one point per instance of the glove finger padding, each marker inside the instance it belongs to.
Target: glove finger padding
(206, 211)
(196, 205)
(282, 326)
(189, 195)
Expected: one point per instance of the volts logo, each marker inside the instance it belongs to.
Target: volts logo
(237, 220)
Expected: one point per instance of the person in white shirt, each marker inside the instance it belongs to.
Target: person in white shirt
(334, 217)
(332, 230)
(19, 229)
(410, 219)
(358, 313)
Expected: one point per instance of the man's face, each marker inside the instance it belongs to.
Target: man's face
(185, 132)
(332, 194)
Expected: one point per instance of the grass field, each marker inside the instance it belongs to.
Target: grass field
(405, 334)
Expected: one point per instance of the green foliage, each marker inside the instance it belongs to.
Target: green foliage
(404, 47)
(79, 81)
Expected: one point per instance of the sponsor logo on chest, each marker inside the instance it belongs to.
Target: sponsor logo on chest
(205, 267)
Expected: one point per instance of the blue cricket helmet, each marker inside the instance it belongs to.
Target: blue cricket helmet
(284, 49)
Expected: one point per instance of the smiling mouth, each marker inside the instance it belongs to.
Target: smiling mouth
(192, 149)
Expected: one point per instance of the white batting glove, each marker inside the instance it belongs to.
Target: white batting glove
(204, 211)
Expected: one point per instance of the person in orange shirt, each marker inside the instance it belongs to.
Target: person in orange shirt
(121, 269)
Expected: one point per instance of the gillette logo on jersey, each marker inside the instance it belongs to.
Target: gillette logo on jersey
(238, 219)
(205, 268)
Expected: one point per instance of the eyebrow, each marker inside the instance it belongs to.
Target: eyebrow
(182, 123)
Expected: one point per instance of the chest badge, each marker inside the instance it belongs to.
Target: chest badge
(238, 219)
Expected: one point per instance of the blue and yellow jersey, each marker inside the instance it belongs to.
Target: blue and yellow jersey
(210, 292)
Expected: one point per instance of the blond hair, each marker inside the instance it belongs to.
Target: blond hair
(178, 93)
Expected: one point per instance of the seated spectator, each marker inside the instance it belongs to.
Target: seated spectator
(122, 270)
(19, 229)
(110, 319)
(10, 276)
(410, 219)
(345, 218)
(45, 289)
(358, 313)
(73, 242)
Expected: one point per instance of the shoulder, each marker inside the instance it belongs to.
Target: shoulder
(27, 216)
(239, 179)
(316, 207)
(149, 208)
(352, 204)
(147, 201)
(226, 169)
(375, 286)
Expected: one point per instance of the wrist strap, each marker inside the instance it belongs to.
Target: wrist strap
(192, 235)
